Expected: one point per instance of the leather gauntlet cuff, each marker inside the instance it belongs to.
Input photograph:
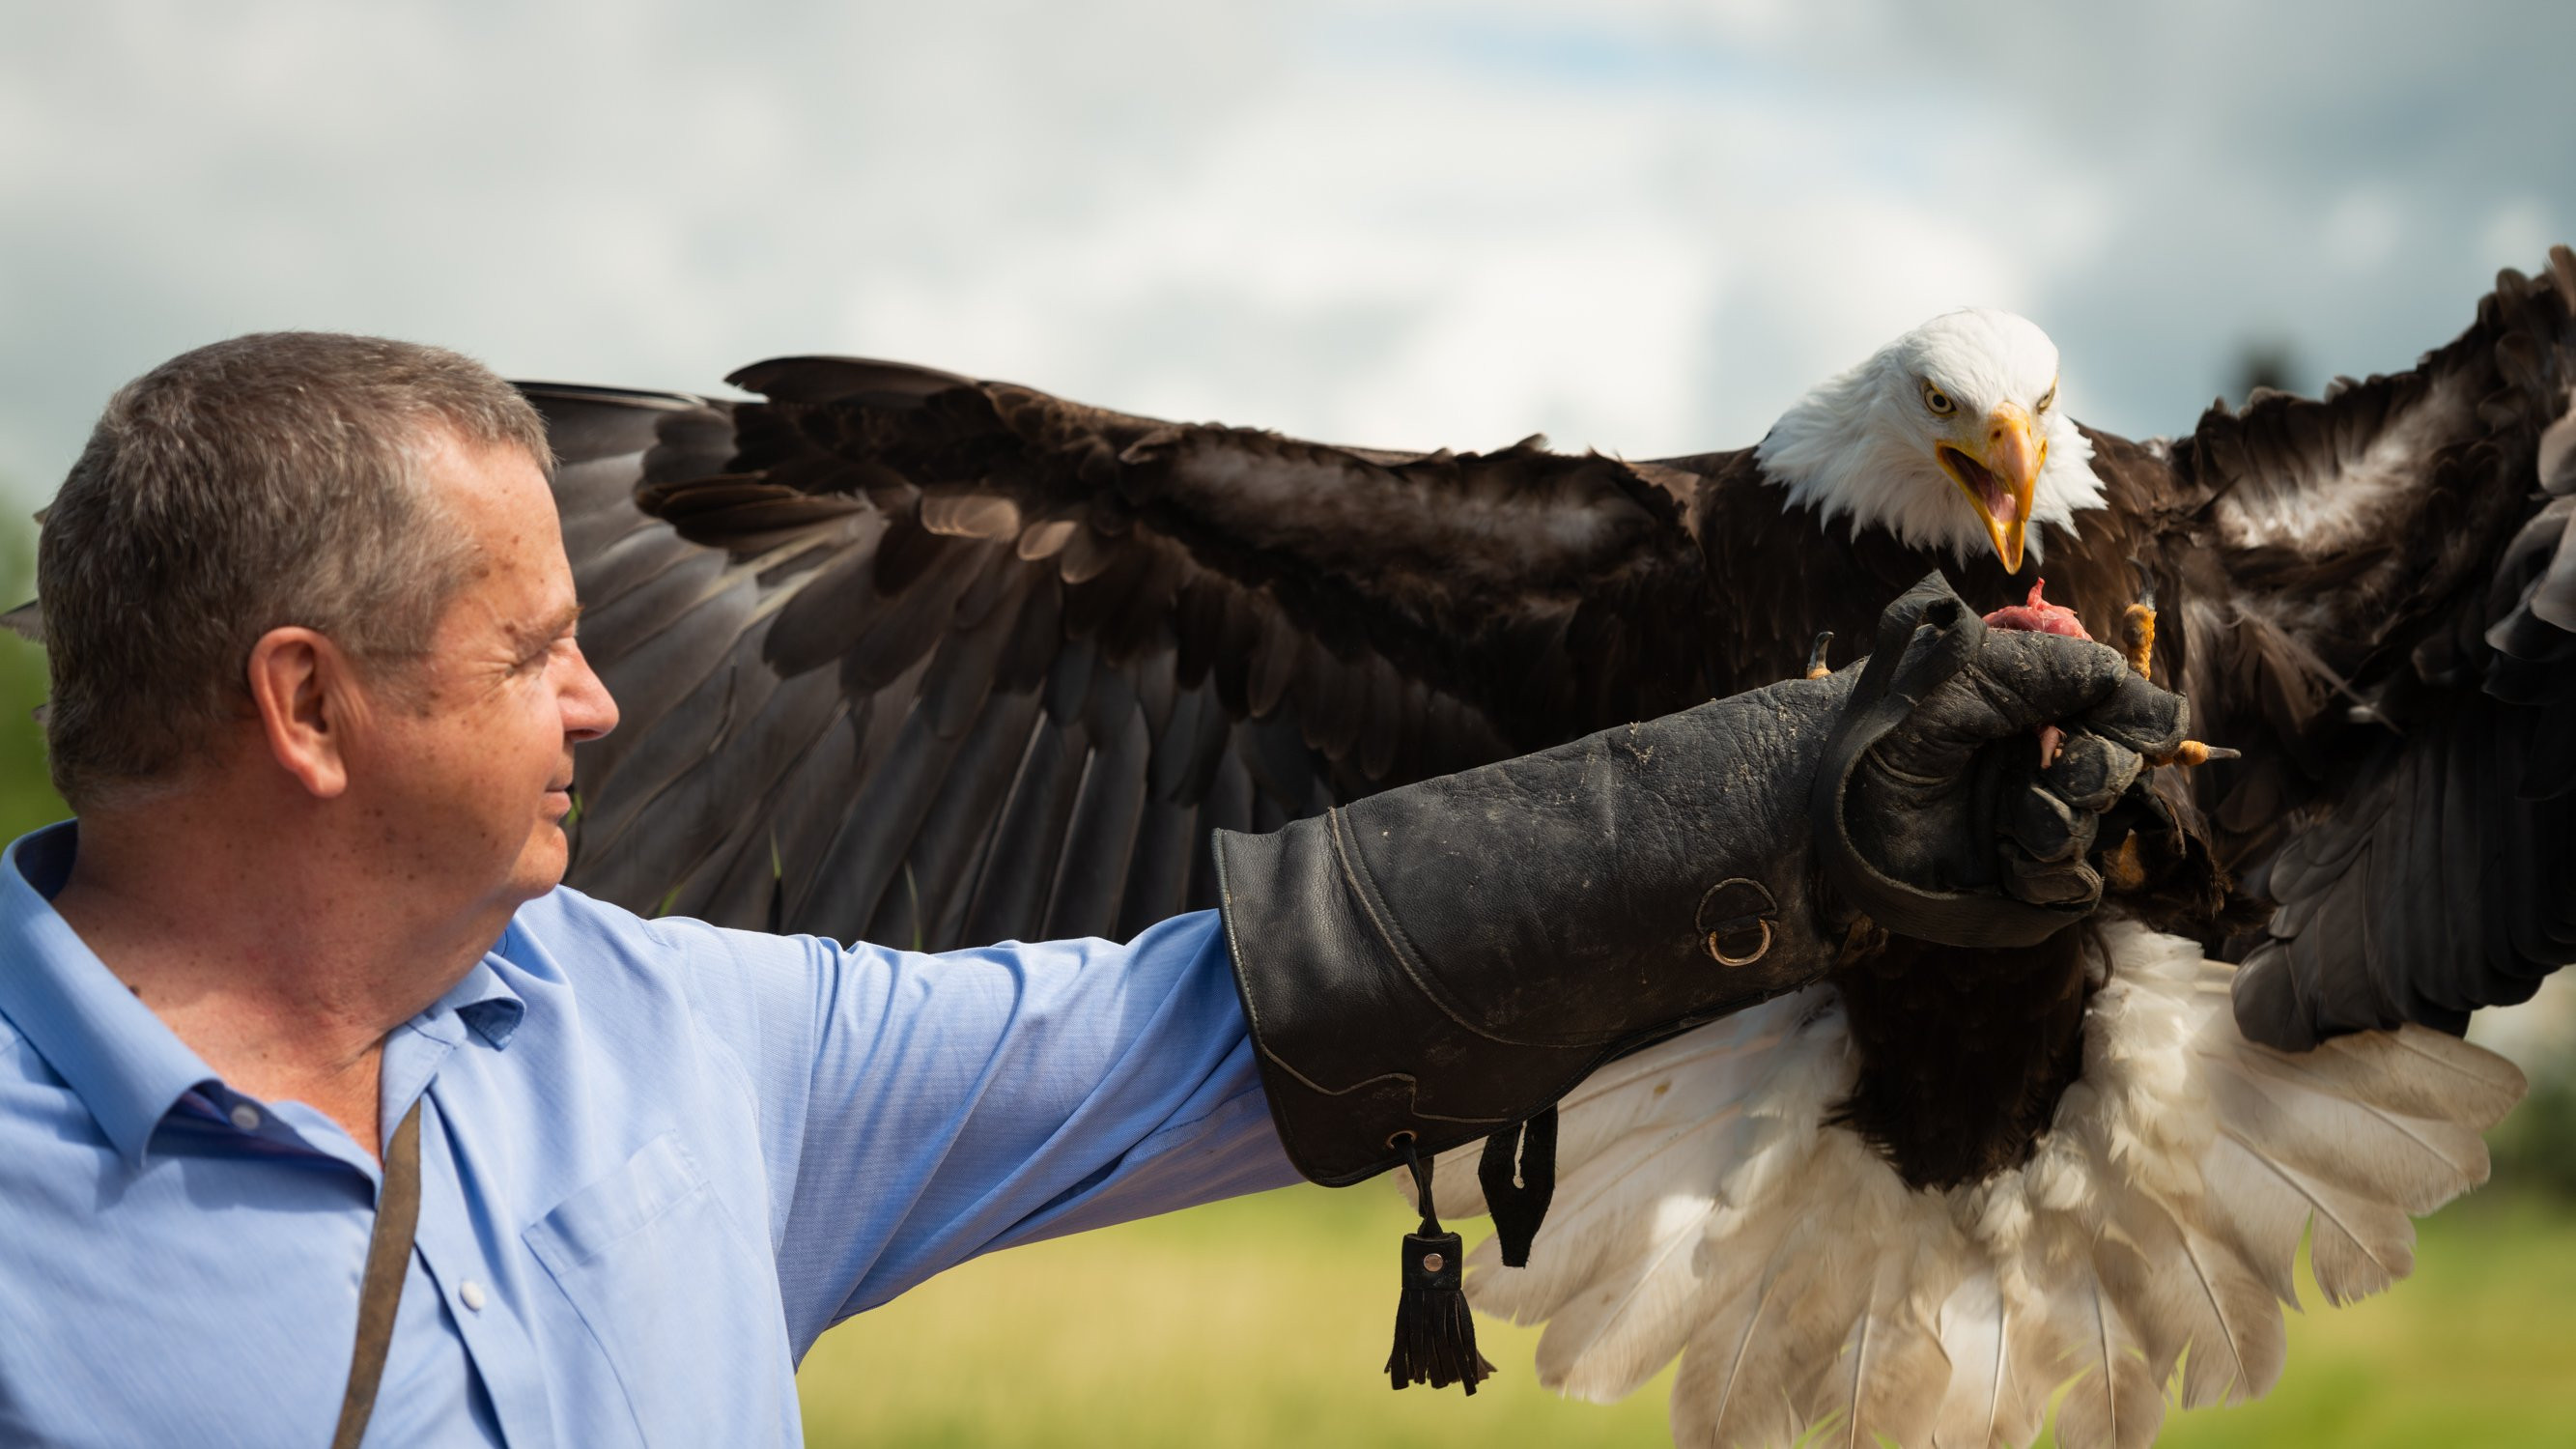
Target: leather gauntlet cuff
(1353, 1053)
(1440, 962)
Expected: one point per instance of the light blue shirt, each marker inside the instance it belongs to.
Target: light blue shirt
(657, 1160)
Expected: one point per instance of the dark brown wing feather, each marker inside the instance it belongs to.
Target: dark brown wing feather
(930, 661)
(2384, 617)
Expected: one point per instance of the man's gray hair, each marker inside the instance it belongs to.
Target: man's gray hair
(271, 480)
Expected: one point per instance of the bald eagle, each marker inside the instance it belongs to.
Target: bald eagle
(932, 661)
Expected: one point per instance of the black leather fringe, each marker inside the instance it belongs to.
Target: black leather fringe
(1518, 1174)
(1435, 1336)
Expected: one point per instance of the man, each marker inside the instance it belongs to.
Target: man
(316, 692)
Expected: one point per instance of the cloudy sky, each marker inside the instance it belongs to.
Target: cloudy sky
(1632, 225)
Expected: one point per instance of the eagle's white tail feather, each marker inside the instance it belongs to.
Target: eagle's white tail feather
(2359, 1245)
(2195, 1301)
(1893, 1372)
(1705, 1253)
(2413, 1073)
(1985, 1337)
(2115, 1399)
(1727, 1061)
(1723, 1059)
(1705, 1208)
(2416, 1166)
(1641, 1209)
(2251, 1217)
(2458, 1149)
(1637, 1192)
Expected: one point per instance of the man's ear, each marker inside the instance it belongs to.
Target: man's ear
(309, 701)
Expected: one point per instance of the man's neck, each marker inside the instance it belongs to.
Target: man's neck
(284, 968)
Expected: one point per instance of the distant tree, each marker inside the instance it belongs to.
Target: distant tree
(27, 797)
(2264, 365)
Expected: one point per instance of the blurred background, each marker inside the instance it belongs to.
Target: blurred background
(1637, 226)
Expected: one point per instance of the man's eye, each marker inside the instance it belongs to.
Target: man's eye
(554, 649)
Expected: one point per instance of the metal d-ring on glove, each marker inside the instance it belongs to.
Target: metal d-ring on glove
(1442, 962)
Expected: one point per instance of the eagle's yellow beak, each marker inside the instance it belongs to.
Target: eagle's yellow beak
(1998, 473)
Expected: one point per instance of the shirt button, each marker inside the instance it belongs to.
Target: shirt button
(471, 1294)
(245, 1116)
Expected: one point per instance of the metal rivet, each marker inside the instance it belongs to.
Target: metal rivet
(1433, 1262)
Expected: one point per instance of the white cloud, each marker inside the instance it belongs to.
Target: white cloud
(2517, 234)
(1642, 226)
(2363, 230)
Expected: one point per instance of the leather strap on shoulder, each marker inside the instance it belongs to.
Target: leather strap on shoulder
(380, 1290)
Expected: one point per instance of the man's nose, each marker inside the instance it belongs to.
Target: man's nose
(588, 712)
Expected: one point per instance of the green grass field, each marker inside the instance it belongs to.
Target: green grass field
(1263, 1322)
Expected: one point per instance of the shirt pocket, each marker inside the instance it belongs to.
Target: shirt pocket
(675, 1296)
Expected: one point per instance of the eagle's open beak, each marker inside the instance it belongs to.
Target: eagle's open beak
(1999, 478)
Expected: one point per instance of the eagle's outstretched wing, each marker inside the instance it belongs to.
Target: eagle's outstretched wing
(931, 661)
(2382, 591)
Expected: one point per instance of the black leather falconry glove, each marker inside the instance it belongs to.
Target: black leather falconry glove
(1441, 962)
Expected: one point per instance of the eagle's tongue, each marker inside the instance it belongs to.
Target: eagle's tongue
(2001, 503)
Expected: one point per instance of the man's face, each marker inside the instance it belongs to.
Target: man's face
(468, 763)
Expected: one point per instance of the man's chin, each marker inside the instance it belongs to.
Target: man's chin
(541, 863)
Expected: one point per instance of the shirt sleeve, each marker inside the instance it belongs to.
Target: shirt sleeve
(919, 1110)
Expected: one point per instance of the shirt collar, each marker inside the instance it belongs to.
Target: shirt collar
(128, 1067)
(482, 1001)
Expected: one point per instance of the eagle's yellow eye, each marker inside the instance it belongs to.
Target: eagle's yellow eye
(2047, 398)
(1938, 401)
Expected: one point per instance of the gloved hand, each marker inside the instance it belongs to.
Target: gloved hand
(1427, 966)
(1952, 789)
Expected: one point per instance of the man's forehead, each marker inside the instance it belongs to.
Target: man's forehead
(465, 473)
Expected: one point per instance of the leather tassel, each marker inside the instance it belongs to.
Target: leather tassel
(1518, 1174)
(1435, 1336)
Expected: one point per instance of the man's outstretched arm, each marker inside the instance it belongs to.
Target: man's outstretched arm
(919, 1110)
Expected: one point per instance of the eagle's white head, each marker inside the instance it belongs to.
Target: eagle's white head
(1952, 436)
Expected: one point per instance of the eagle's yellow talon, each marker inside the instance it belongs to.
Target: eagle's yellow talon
(2138, 634)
